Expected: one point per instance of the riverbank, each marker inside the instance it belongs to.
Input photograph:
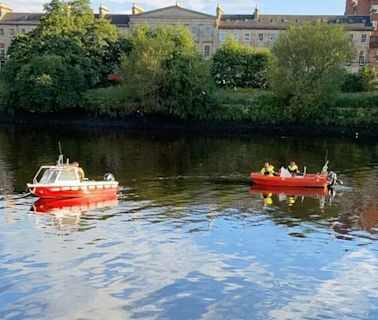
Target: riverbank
(228, 111)
(209, 127)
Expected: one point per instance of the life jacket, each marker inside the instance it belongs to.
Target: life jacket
(267, 172)
(293, 169)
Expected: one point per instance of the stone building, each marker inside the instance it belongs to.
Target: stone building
(211, 31)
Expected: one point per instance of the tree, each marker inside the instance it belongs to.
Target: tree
(68, 30)
(369, 78)
(235, 65)
(308, 65)
(47, 84)
(165, 72)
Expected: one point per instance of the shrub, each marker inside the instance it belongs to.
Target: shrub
(235, 65)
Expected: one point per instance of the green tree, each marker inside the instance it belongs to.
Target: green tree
(68, 30)
(235, 65)
(165, 72)
(47, 84)
(308, 65)
(369, 78)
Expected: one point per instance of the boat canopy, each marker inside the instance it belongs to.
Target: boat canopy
(50, 175)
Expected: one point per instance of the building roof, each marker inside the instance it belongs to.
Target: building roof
(178, 7)
(34, 18)
(277, 22)
(20, 18)
(117, 19)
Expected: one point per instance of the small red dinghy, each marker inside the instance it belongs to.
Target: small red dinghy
(307, 180)
(63, 181)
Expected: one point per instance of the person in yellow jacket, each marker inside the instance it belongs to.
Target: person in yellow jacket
(293, 168)
(267, 170)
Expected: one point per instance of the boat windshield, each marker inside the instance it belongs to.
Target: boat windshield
(49, 176)
(69, 174)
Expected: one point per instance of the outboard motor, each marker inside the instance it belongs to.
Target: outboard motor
(332, 178)
(109, 177)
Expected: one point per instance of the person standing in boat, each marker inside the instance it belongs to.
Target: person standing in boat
(267, 170)
(80, 171)
(293, 168)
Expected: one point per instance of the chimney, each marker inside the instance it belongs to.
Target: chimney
(103, 11)
(256, 14)
(136, 10)
(4, 9)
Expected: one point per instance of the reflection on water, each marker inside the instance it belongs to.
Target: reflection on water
(188, 238)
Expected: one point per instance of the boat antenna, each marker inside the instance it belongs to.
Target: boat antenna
(60, 158)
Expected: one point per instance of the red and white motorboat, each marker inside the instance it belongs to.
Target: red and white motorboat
(63, 181)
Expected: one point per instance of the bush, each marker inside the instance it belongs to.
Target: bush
(165, 72)
(235, 65)
(111, 101)
(46, 84)
(352, 83)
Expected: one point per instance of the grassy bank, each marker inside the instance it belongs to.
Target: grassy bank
(262, 107)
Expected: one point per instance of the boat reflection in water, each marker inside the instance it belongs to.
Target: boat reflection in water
(290, 194)
(67, 212)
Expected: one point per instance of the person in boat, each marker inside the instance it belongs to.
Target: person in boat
(293, 168)
(80, 171)
(267, 170)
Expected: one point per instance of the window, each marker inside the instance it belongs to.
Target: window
(23, 30)
(206, 51)
(361, 58)
(208, 31)
(261, 37)
(247, 37)
(273, 37)
(2, 49)
(351, 37)
(1, 31)
(222, 36)
(11, 32)
(236, 36)
(363, 38)
(49, 176)
(194, 30)
(69, 175)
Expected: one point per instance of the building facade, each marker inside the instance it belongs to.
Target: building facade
(211, 31)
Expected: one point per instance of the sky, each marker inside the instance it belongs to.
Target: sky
(326, 7)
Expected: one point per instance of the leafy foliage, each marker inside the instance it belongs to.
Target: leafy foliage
(87, 46)
(41, 85)
(308, 65)
(235, 65)
(369, 78)
(165, 71)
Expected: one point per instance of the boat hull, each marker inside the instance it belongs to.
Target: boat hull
(307, 181)
(74, 191)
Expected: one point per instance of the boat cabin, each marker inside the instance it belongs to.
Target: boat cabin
(52, 175)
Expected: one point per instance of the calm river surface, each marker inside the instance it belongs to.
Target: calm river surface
(187, 237)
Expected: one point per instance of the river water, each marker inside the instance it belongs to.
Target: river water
(187, 238)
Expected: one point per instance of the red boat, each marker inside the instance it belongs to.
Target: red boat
(63, 181)
(307, 180)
